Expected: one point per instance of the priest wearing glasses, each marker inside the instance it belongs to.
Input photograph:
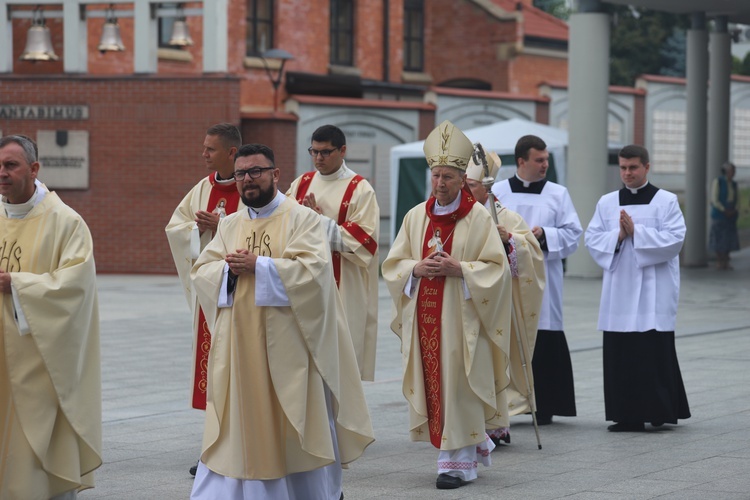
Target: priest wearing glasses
(284, 403)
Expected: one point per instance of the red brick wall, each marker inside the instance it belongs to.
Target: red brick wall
(145, 144)
(542, 112)
(368, 45)
(461, 41)
(528, 72)
(426, 123)
(280, 134)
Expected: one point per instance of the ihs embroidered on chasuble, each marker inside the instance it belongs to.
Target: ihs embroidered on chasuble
(10, 256)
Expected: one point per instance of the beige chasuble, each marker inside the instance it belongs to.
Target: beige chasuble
(50, 384)
(528, 288)
(475, 332)
(180, 235)
(266, 415)
(358, 282)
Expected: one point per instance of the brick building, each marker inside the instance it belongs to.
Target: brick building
(383, 70)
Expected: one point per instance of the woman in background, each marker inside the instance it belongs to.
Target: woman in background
(724, 238)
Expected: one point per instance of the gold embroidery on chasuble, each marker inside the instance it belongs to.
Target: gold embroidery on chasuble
(19, 252)
(18, 239)
(10, 255)
(251, 402)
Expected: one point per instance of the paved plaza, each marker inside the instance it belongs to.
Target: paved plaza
(151, 436)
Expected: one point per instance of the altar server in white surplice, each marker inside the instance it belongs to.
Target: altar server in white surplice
(548, 210)
(285, 407)
(636, 235)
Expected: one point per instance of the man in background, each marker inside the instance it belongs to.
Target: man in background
(192, 226)
(526, 262)
(285, 405)
(351, 217)
(635, 236)
(548, 210)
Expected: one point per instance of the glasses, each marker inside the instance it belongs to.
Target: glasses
(254, 173)
(325, 153)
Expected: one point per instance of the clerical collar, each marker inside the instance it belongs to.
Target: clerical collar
(21, 210)
(635, 190)
(219, 180)
(525, 183)
(342, 173)
(262, 212)
(519, 185)
(640, 196)
(451, 207)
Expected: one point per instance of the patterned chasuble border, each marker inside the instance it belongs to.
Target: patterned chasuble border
(429, 310)
(228, 194)
(354, 229)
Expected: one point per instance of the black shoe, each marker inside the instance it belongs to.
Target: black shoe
(194, 468)
(505, 439)
(446, 482)
(543, 419)
(626, 427)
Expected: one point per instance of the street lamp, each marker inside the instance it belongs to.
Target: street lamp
(282, 56)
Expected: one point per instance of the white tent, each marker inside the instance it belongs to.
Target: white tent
(499, 137)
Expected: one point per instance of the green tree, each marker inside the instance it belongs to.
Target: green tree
(637, 43)
(558, 8)
(736, 65)
(674, 54)
(745, 68)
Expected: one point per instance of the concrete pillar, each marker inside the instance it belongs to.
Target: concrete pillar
(720, 69)
(145, 41)
(588, 87)
(694, 250)
(6, 39)
(215, 32)
(75, 37)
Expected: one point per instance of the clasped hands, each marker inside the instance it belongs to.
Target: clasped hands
(206, 221)
(241, 262)
(627, 227)
(310, 202)
(438, 264)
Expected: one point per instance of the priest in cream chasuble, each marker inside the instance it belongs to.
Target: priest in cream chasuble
(526, 261)
(350, 215)
(285, 406)
(450, 282)
(192, 226)
(50, 383)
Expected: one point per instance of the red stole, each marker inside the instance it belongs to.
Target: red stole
(352, 228)
(228, 194)
(430, 308)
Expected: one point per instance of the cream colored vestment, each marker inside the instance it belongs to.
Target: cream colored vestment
(50, 382)
(475, 332)
(266, 416)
